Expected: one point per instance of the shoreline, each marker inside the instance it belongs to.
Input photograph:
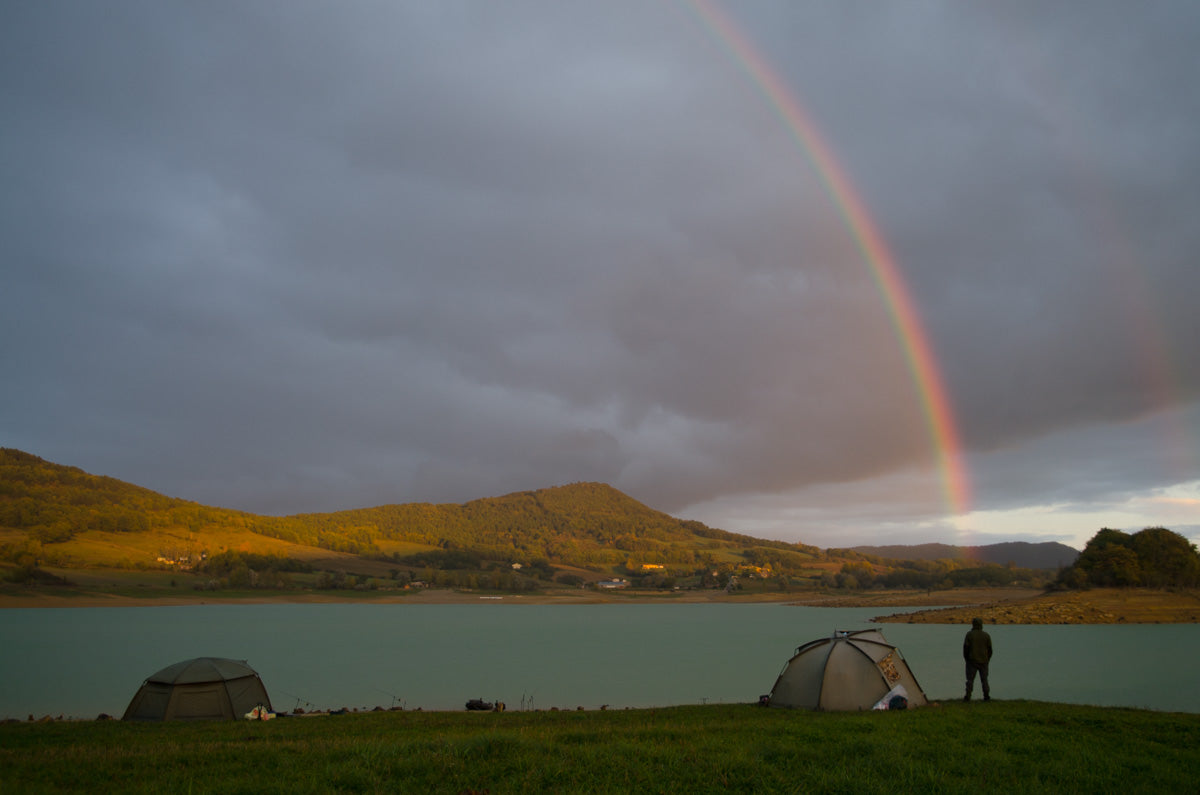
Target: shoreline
(1096, 606)
(437, 596)
(957, 606)
(425, 597)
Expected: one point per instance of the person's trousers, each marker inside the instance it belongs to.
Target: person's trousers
(982, 669)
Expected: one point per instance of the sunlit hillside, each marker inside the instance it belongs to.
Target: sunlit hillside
(60, 517)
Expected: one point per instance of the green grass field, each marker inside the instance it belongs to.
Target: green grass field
(1009, 747)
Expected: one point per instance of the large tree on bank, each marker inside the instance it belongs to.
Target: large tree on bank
(1155, 557)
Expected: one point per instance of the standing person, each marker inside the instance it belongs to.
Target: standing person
(977, 651)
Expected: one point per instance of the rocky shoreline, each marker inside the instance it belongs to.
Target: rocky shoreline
(1098, 606)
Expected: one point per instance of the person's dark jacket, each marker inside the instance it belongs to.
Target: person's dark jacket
(977, 647)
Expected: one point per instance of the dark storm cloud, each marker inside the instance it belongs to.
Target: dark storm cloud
(308, 256)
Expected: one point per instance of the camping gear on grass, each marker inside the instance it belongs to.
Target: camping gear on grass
(846, 671)
(206, 688)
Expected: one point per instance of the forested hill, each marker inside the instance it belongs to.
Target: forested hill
(68, 517)
(581, 522)
(53, 502)
(1044, 555)
(64, 518)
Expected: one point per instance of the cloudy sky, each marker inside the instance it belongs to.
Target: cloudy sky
(308, 256)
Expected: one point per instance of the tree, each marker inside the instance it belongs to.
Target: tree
(856, 575)
(1154, 557)
(1115, 566)
(1167, 559)
(1100, 562)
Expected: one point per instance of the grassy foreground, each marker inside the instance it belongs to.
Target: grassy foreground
(1015, 746)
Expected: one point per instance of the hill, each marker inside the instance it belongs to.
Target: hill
(1045, 555)
(59, 521)
(56, 516)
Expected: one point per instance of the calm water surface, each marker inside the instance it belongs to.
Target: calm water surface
(80, 662)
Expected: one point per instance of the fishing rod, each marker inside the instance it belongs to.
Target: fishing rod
(395, 697)
(299, 700)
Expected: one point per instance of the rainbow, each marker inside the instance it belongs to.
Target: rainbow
(902, 309)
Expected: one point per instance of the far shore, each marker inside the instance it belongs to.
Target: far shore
(423, 597)
(955, 606)
(435, 596)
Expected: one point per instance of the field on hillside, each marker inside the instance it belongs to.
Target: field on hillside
(1012, 747)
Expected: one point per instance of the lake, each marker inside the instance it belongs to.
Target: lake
(80, 662)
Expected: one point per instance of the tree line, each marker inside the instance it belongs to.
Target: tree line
(1153, 558)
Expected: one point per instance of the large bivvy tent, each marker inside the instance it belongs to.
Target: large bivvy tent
(846, 671)
(206, 688)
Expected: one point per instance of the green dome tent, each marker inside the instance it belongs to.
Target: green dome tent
(846, 671)
(206, 688)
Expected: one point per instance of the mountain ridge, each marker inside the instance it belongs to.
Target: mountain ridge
(61, 516)
(1026, 554)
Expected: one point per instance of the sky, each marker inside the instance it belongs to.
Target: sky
(835, 273)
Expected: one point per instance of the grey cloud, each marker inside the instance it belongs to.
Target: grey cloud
(316, 257)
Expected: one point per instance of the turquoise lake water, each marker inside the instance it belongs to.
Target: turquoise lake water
(80, 662)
